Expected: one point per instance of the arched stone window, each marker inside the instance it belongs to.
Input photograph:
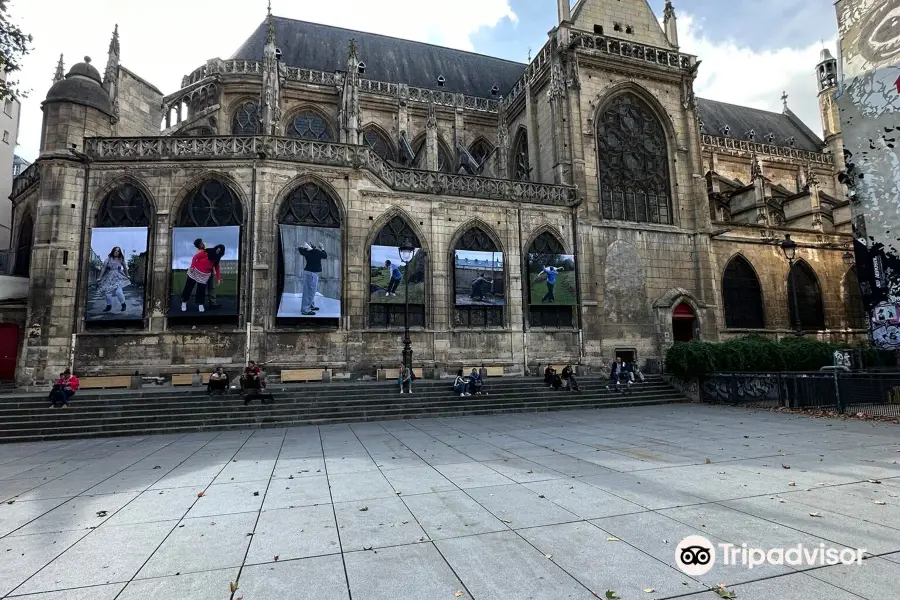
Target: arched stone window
(521, 162)
(125, 206)
(552, 315)
(309, 125)
(742, 296)
(633, 162)
(374, 139)
(809, 298)
(23, 247)
(479, 314)
(445, 163)
(212, 204)
(383, 312)
(480, 150)
(310, 214)
(853, 301)
(246, 119)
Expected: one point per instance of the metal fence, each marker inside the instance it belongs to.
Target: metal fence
(876, 394)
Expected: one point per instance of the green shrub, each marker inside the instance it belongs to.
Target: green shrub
(690, 360)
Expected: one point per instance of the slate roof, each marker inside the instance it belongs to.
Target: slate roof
(741, 119)
(324, 48)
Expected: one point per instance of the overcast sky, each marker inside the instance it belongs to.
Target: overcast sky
(751, 49)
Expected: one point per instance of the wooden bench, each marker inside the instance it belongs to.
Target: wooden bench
(491, 371)
(394, 374)
(107, 382)
(301, 375)
(188, 378)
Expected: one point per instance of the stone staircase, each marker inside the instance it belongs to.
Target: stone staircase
(154, 410)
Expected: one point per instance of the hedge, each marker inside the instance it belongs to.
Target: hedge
(692, 360)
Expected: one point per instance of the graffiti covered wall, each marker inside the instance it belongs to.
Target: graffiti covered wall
(869, 101)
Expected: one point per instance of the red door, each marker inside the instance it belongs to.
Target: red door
(9, 349)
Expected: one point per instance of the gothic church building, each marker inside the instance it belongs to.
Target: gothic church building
(671, 207)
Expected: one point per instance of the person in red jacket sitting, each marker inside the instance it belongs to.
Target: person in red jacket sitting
(198, 275)
(64, 389)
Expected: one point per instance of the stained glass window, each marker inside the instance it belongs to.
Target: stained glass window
(742, 296)
(246, 120)
(378, 143)
(309, 126)
(809, 298)
(125, 206)
(309, 204)
(633, 163)
(23, 247)
(521, 164)
(445, 163)
(212, 204)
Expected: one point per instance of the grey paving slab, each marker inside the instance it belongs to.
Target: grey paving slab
(346, 487)
(185, 475)
(503, 565)
(302, 491)
(97, 592)
(520, 507)
(522, 470)
(24, 556)
(874, 578)
(580, 547)
(245, 470)
(18, 513)
(228, 498)
(571, 466)
(717, 482)
(105, 555)
(409, 572)
(797, 586)
(83, 512)
(583, 500)
(376, 523)
(126, 481)
(299, 467)
(483, 452)
(67, 486)
(355, 463)
(11, 488)
(294, 533)
(472, 475)
(452, 514)
(208, 585)
(872, 502)
(156, 505)
(418, 480)
(320, 578)
(201, 545)
(636, 488)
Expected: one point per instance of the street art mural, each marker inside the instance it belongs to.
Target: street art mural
(869, 102)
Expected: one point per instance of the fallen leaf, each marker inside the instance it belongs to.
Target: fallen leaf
(11, 502)
(101, 513)
(276, 558)
(611, 595)
(548, 556)
(815, 514)
(724, 592)
(708, 461)
(200, 495)
(233, 587)
(649, 590)
(458, 594)
(157, 467)
(505, 521)
(878, 502)
(364, 509)
(612, 539)
(874, 480)
(256, 493)
(785, 467)
(792, 483)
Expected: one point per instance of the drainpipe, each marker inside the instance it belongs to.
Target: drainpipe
(524, 271)
(251, 247)
(574, 206)
(79, 267)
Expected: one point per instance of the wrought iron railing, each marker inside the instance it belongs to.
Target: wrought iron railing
(325, 153)
(26, 179)
(766, 149)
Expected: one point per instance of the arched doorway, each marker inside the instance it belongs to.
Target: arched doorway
(683, 319)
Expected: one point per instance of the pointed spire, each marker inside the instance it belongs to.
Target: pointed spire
(60, 70)
(352, 52)
(114, 42)
(669, 11)
(670, 24)
(270, 34)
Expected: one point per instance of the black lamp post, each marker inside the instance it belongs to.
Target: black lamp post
(406, 251)
(849, 258)
(789, 247)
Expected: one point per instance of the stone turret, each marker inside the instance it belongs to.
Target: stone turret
(75, 108)
(350, 115)
(270, 100)
(826, 75)
(670, 23)
(111, 75)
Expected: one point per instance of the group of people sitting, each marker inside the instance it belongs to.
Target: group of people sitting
(466, 385)
(561, 381)
(624, 372)
(63, 390)
(253, 383)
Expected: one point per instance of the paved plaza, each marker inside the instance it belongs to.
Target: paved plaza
(543, 506)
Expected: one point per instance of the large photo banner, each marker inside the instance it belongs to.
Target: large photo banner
(205, 271)
(387, 276)
(551, 279)
(118, 274)
(312, 272)
(479, 278)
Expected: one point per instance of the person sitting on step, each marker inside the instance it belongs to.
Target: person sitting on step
(475, 382)
(218, 382)
(64, 389)
(461, 384)
(568, 379)
(253, 383)
(549, 372)
(621, 371)
(405, 378)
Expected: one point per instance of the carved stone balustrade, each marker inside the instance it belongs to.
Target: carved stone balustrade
(762, 149)
(327, 154)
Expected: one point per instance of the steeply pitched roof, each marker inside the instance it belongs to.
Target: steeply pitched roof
(741, 119)
(324, 48)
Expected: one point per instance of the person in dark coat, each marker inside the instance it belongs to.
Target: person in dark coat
(620, 371)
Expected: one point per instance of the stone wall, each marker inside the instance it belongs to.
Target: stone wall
(140, 106)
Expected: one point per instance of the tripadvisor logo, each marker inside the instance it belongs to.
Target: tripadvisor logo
(695, 555)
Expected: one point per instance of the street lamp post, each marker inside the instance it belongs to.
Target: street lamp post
(789, 247)
(849, 258)
(406, 251)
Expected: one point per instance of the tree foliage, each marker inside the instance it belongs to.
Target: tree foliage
(14, 45)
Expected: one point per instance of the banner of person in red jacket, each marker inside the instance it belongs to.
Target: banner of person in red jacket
(204, 271)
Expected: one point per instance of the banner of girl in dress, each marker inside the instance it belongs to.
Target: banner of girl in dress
(117, 274)
(204, 271)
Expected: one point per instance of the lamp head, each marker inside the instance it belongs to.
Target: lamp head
(789, 247)
(406, 250)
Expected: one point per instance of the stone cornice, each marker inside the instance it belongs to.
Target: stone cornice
(26, 179)
(146, 149)
(748, 148)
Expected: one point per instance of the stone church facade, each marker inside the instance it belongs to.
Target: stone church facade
(673, 206)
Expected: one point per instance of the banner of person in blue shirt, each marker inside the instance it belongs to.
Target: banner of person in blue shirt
(551, 279)
(387, 276)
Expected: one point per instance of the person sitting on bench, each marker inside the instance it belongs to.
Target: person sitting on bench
(218, 382)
